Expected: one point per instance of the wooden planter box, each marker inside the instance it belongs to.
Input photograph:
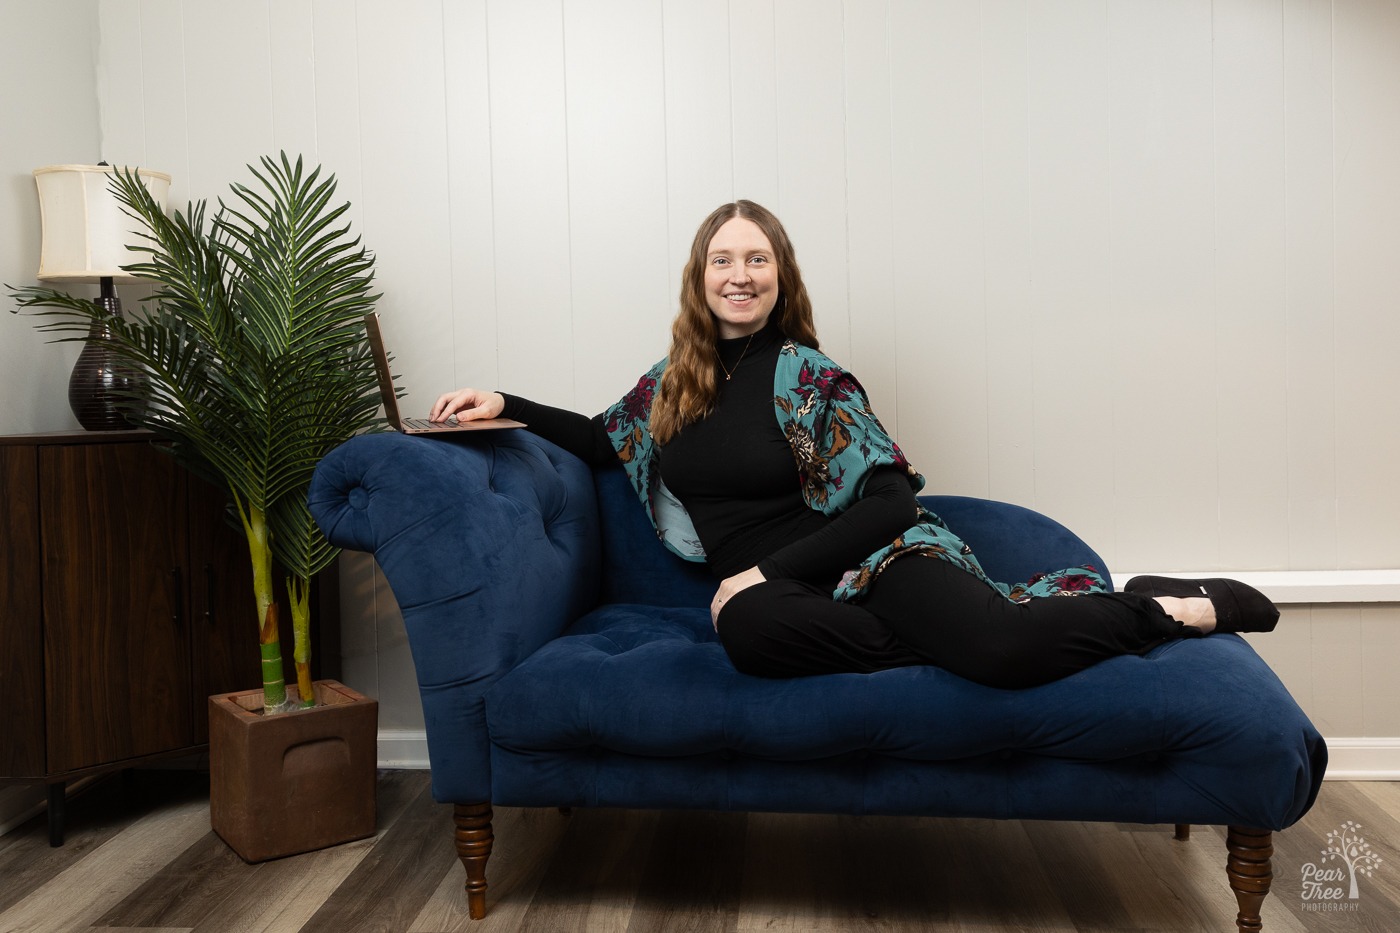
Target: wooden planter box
(304, 780)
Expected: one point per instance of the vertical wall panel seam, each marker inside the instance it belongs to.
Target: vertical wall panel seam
(569, 206)
(1288, 343)
(1115, 366)
(1110, 266)
(315, 93)
(99, 84)
(1029, 300)
(271, 84)
(359, 114)
(985, 223)
(666, 137)
(1215, 277)
(451, 226)
(491, 186)
(846, 179)
(141, 64)
(733, 134)
(185, 100)
(1332, 284)
(894, 292)
(778, 121)
(189, 147)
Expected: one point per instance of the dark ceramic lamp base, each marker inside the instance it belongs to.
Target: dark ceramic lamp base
(99, 382)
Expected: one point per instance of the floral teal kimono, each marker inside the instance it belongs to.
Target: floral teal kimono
(836, 442)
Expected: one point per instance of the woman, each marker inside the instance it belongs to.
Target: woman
(754, 452)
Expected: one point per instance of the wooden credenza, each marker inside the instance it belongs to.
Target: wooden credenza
(125, 602)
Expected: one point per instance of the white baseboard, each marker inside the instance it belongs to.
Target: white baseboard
(1295, 587)
(1349, 759)
(403, 749)
(1363, 759)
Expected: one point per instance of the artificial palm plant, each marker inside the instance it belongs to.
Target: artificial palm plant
(255, 364)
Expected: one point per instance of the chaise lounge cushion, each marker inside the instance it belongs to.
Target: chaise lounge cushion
(1138, 739)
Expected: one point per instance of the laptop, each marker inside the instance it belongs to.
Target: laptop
(391, 404)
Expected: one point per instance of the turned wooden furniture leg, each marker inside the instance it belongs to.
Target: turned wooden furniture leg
(1183, 831)
(473, 821)
(1250, 871)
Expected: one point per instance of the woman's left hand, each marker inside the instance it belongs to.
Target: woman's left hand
(729, 587)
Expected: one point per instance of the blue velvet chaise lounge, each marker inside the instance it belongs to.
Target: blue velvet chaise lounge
(566, 659)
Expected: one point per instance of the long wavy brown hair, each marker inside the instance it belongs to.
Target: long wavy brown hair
(690, 384)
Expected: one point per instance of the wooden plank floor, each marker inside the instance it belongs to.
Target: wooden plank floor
(140, 857)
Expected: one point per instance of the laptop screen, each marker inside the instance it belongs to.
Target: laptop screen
(381, 367)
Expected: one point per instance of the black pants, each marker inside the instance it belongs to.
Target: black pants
(922, 610)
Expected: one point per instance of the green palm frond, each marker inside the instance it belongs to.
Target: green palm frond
(252, 343)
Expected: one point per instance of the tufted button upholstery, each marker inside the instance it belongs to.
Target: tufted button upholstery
(630, 681)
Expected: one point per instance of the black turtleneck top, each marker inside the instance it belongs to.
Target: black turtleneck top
(734, 473)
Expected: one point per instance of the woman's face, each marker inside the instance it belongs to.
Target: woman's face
(741, 278)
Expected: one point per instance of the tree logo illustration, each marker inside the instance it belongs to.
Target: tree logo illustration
(1347, 846)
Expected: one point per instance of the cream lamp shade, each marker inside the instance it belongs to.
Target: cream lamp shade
(85, 231)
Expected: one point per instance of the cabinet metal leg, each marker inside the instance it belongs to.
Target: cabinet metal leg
(58, 801)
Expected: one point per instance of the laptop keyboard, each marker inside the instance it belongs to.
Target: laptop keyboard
(420, 424)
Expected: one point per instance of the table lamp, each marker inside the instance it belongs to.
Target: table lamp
(85, 239)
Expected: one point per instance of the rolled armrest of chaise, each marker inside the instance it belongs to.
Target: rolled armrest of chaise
(490, 544)
(1013, 543)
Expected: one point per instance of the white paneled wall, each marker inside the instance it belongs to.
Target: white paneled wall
(1128, 263)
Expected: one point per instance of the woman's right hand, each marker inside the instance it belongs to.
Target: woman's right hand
(468, 405)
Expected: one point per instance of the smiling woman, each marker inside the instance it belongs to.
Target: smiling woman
(781, 478)
(741, 281)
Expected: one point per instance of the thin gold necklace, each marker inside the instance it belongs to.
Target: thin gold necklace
(730, 372)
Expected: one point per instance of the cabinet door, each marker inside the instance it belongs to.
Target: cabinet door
(21, 625)
(116, 640)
